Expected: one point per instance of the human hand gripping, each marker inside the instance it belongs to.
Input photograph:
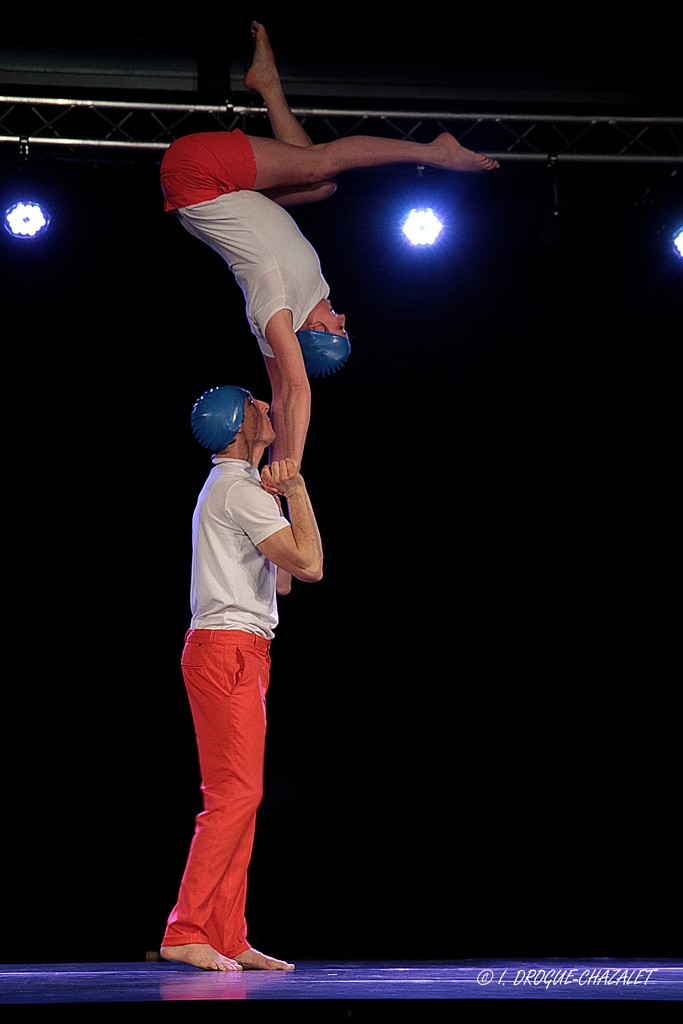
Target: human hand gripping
(296, 549)
(281, 477)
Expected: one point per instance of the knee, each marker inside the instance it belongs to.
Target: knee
(224, 805)
(252, 800)
(254, 793)
(248, 794)
(319, 167)
(325, 189)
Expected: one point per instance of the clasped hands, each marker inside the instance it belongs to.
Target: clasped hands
(281, 477)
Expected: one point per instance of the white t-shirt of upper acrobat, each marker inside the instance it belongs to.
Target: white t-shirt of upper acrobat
(233, 584)
(274, 265)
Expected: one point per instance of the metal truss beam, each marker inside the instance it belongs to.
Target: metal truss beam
(125, 129)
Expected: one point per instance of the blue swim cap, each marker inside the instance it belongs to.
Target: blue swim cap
(323, 352)
(217, 416)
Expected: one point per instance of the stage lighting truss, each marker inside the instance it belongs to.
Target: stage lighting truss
(129, 129)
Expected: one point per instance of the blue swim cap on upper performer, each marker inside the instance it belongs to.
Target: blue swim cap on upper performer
(217, 416)
(323, 352)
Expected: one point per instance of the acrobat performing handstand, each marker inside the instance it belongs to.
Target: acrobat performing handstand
(230, 189)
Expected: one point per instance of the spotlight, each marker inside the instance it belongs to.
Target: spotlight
(422, 227)
(26, 220)
(678, 242)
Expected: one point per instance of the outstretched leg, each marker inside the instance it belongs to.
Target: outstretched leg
(279, 164)
(263, 77)
(291, 159)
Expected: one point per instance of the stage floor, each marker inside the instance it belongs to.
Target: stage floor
(33, 984)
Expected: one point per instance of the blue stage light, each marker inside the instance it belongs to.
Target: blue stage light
(678, 242)
(422, 227)
(26, 220)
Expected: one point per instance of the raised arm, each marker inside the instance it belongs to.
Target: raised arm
(296, 549)
(291, 405)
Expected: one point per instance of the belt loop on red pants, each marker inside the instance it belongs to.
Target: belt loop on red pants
(229, 637)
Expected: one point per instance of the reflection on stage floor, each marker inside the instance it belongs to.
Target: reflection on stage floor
(163, 982)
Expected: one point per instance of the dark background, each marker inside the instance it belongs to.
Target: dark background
(473, 729)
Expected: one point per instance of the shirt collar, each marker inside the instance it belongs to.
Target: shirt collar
(242, 464)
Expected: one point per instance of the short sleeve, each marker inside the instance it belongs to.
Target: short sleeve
(254, 511)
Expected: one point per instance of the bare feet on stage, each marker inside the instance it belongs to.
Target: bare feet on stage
(199, 954)
(263, 73)
(252, 960)
(202, 955)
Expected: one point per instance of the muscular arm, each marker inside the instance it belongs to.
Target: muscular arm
(291, 408)
(283, 585)
(296, 549)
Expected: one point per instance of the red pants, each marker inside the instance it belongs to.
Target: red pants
(197, 168)
(226, 674)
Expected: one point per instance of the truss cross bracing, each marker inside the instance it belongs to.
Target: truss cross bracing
(126, 129)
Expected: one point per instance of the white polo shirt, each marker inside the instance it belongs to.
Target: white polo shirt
(274, 265)
(233, 584)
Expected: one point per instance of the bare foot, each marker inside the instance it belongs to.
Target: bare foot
(200, 954)
(454, 157)
(263, 73)
(252, 960)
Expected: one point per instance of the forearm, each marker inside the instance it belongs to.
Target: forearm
(296, 413)
(296, 549)
(291, 404)
(308, 546)
(278, 448)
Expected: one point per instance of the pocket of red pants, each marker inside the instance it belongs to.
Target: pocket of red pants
(194, 654)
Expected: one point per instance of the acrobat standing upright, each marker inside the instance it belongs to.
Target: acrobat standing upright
(229, 189)
(242, 550)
